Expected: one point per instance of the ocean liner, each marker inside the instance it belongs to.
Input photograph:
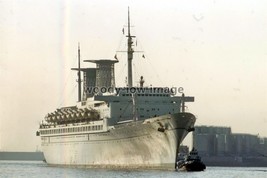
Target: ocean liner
(127, 127)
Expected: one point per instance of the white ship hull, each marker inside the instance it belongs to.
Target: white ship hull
(131, 145)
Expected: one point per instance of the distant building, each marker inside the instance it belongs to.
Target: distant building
(220, 141)
(245, 144)
(211, 141)
(263, 147)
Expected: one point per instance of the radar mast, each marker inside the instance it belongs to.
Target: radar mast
(130, 52)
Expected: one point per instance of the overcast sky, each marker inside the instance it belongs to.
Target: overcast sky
(215, 49)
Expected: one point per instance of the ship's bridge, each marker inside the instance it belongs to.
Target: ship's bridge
(142, 103)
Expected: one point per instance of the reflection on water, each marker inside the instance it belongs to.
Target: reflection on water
(39, 169)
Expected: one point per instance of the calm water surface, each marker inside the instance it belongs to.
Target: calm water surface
(38, 169)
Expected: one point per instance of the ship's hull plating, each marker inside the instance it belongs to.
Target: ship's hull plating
(143, 144)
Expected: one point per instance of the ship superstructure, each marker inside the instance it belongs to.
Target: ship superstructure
(116, 127)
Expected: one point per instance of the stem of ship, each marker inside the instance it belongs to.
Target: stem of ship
(129, 53)
(177, 147)
(176, 156)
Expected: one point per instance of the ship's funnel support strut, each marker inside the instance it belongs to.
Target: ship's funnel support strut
(183, 103)
(79, 76)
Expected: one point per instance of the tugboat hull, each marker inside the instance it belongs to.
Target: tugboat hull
(193, 166)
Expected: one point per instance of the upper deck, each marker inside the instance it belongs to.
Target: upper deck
(145, 93)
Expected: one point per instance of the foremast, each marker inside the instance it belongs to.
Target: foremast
(130, 52)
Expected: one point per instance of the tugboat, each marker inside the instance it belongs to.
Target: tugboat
(191, 162)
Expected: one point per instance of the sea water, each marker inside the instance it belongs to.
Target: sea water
(38, 169)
